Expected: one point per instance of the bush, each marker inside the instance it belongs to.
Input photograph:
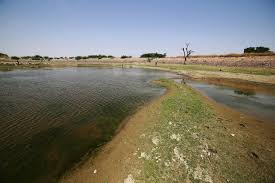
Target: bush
(110, 56)
(78, 57)
(124, 56)
(15, 58)
(26, 57)
(37, 57)
(153, 55)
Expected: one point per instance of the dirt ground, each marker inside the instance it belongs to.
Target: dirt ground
(127, 157)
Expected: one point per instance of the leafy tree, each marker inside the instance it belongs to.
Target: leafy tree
(15, 58)
(262, 49)
(249, 50)
(100, 56)
(78, 57)
(153, 55)
(26, 57)
(37, 57)
(124, 56)
(259, 49)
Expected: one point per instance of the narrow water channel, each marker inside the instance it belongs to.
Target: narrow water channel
(251, 102)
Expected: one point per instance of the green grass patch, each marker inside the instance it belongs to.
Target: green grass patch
(188, 142)
(244, 70)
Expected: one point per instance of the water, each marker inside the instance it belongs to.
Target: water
(50, 118)
(251, 102)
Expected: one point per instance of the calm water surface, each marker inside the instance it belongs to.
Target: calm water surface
(253, 103)
(50, 118)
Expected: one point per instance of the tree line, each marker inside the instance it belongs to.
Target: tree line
(149, 56)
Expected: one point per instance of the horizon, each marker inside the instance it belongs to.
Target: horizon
(69, 28)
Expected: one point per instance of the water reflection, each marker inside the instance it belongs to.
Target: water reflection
(251, 102)
(247, 92)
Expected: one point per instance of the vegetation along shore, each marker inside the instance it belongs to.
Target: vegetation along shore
(216, 145)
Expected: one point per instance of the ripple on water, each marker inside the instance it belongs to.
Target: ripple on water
(50, 118)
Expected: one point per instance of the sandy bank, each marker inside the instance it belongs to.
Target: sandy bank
(184, 137)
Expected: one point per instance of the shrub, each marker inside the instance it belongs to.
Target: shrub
(15, 58)
(37, 57)
(124, 56)
(26, 57)
(78, 57)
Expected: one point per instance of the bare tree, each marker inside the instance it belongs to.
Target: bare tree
(186, 52)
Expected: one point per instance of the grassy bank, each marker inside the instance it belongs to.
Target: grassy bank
(254, 75)
(241, 70)
(183, 138)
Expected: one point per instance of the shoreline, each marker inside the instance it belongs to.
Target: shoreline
(102, 153)
(255, 126)
(92, 154)
(117, 161)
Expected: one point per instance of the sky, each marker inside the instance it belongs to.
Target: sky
(133, 27)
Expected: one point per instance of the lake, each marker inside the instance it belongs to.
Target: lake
(50, 118)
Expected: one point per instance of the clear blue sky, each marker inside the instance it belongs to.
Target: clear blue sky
(132, 27)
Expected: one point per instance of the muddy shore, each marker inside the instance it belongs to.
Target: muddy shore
(214, 134)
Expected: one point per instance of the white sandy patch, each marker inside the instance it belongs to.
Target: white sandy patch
(175, 137)
(155, 140)
(143, 155)
(201, 174)
(129, 179)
